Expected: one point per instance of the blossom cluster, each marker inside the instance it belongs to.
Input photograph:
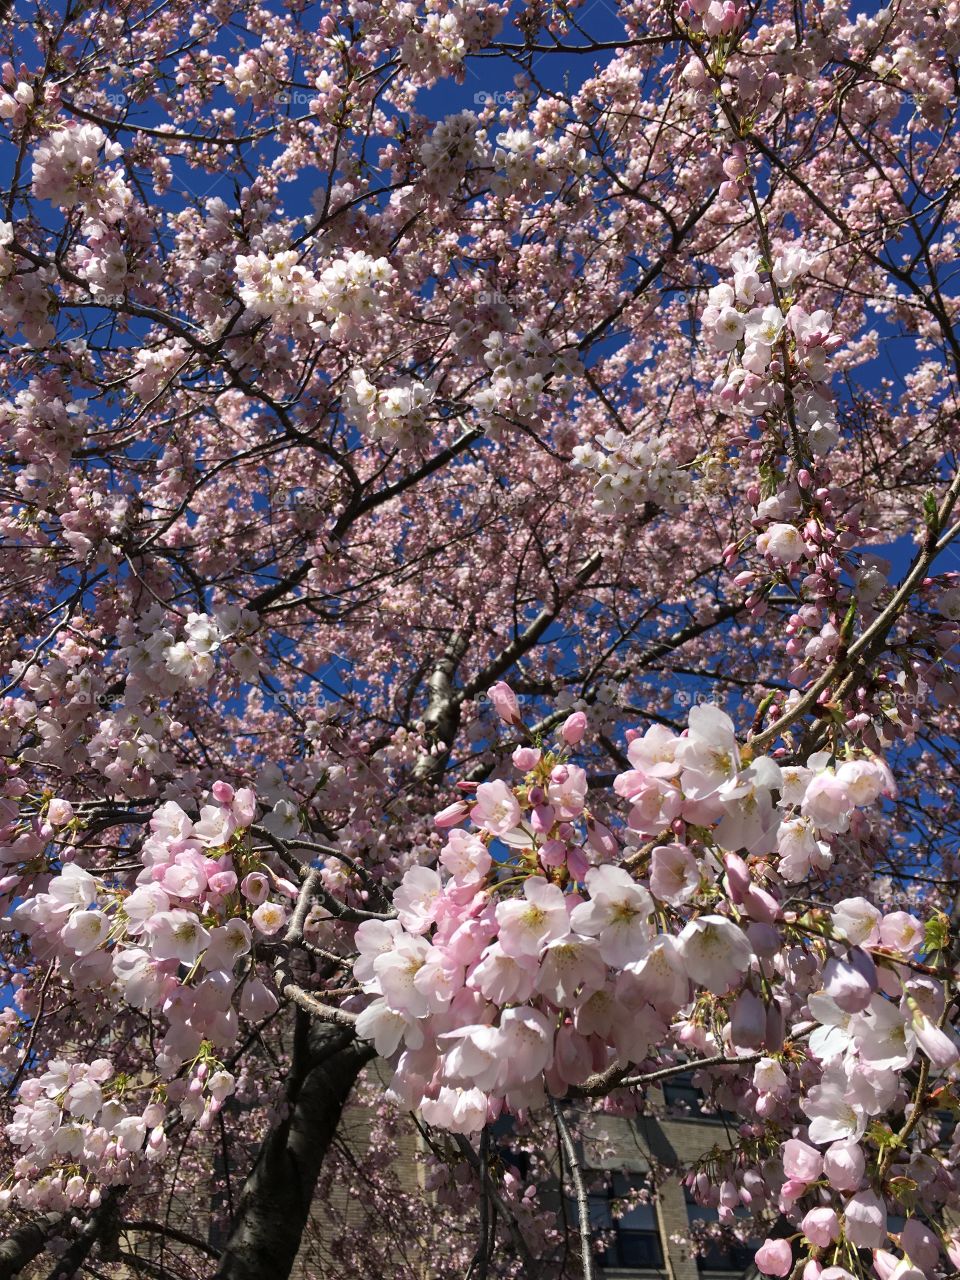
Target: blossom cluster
(523, 367)
(15, 104)
(68, 160)
(177, 946)
(77, 1116)
(282, 287)
(501, 977)
(456, 143)
(394, 415)
(435, 42)
(756, 320)
(631, 471)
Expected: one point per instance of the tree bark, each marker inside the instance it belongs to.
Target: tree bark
(28, 1241)
(278, 1193)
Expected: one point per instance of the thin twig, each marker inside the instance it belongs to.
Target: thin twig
(579, 1188)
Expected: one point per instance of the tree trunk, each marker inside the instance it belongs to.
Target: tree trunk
(276, 1199)
(27, 1242)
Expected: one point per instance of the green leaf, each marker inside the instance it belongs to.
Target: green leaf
(931, 514)
(903, 1189)
(936, 933)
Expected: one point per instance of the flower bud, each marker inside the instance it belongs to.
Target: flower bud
(504, 702)
(255, 886)
(451, 815)
(821, 1226)
(573, 729)
(774, 1257)
(526, 758)
(801, 1161)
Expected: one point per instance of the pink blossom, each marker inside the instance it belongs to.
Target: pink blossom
(529, 923)
(774, 1257)
(900, 931)
(920, 1244)
(715, 953)
(573, 728)
(466, 858)
(656, 976)
(783, 543)
(176, 935)
(383, 1027)
(654, 754)
(709, 755)
(865, 1220)
(502, 978)
(417, 899)
(617, 914)
(256, 1000)
(857, 920)
(748, 1020)
(801, 1161)
(527, 1040)
(373, 938)
(456, 1110)
(84, 931)
(935, 1042)
(863, 780)
(59, 812)
(821, 1226)
(496, 809)
(567, 793)
(827, 802)
(227, 943)
(397, 970)
(269, 918)
(655, 805)
(844, 1164)
(571, 969)
(850, 982)
(244, 806)
(255, 886)
(833, 1111)
(452, 814)
(674, 874)
(504, 702)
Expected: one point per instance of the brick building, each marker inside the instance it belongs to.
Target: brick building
(650, 1242)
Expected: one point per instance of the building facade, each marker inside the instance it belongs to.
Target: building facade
(654, 1240)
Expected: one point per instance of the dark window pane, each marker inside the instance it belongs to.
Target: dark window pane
(600, 1216)
(638, 1249)
(683, 1098)
(641, 1218)
(632, 1240)
(723, 1258)
(720, 1256)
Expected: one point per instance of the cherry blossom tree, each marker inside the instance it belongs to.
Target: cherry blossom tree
(449, 456)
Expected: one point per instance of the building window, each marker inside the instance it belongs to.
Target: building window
(685, 1101)
(628, 1238)
(725, 1254)
(502, 1131)
(683, 1097)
